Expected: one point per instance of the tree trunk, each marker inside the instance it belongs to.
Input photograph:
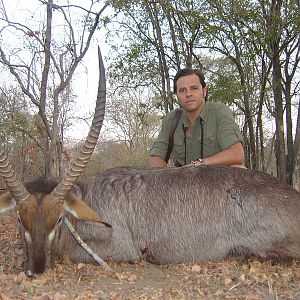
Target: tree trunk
(248, 117)
(49, 154)
(289, 134)
(280, 142)
(296, 175)
(275, 29)
(164, 69)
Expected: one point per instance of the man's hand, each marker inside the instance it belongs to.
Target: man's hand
(156, 161)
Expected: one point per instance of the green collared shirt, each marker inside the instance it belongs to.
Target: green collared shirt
(219, 132)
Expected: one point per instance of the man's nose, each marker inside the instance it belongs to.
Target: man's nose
(189, 92)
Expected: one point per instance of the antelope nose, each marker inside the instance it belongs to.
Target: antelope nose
(30, 274)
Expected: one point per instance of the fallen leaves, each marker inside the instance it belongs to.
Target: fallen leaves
(196, 269)
(126, 276)
(20, 278)
(3, 296)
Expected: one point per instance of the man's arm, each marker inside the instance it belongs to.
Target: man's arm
(156, 161)
(232, 156)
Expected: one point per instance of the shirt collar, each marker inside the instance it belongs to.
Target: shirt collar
(203, 115)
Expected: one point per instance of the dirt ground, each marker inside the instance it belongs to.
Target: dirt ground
(230, 279)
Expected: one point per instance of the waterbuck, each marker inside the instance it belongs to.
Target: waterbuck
(170, 215)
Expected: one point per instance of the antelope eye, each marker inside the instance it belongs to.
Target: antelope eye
(59, 220)
(19, 219)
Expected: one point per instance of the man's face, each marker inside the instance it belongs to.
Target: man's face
(190, 93)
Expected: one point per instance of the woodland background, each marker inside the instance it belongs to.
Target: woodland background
(248, 50)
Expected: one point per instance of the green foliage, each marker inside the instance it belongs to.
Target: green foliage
(225, 88)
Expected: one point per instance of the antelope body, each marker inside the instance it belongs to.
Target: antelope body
(190, 214)
(173, 215)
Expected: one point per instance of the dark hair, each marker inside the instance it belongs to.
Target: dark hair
(185, 72)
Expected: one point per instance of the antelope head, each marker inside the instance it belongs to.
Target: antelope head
(40, 212)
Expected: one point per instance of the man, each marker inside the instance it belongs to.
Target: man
(206, 127)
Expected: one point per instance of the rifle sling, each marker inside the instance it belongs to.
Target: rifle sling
(176, 119)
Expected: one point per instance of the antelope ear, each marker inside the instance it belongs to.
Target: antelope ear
(79, 209)
(7, 202)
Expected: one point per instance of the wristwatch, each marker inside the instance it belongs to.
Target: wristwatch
(200, 160)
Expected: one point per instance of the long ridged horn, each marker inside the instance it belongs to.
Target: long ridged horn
(14, 185)
(87, 149)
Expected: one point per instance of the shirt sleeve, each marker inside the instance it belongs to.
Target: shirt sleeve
(160, 146)
(228, 132)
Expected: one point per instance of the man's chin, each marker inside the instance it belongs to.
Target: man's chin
(192, 108)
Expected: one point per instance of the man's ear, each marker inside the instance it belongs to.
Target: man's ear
(205, 92)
